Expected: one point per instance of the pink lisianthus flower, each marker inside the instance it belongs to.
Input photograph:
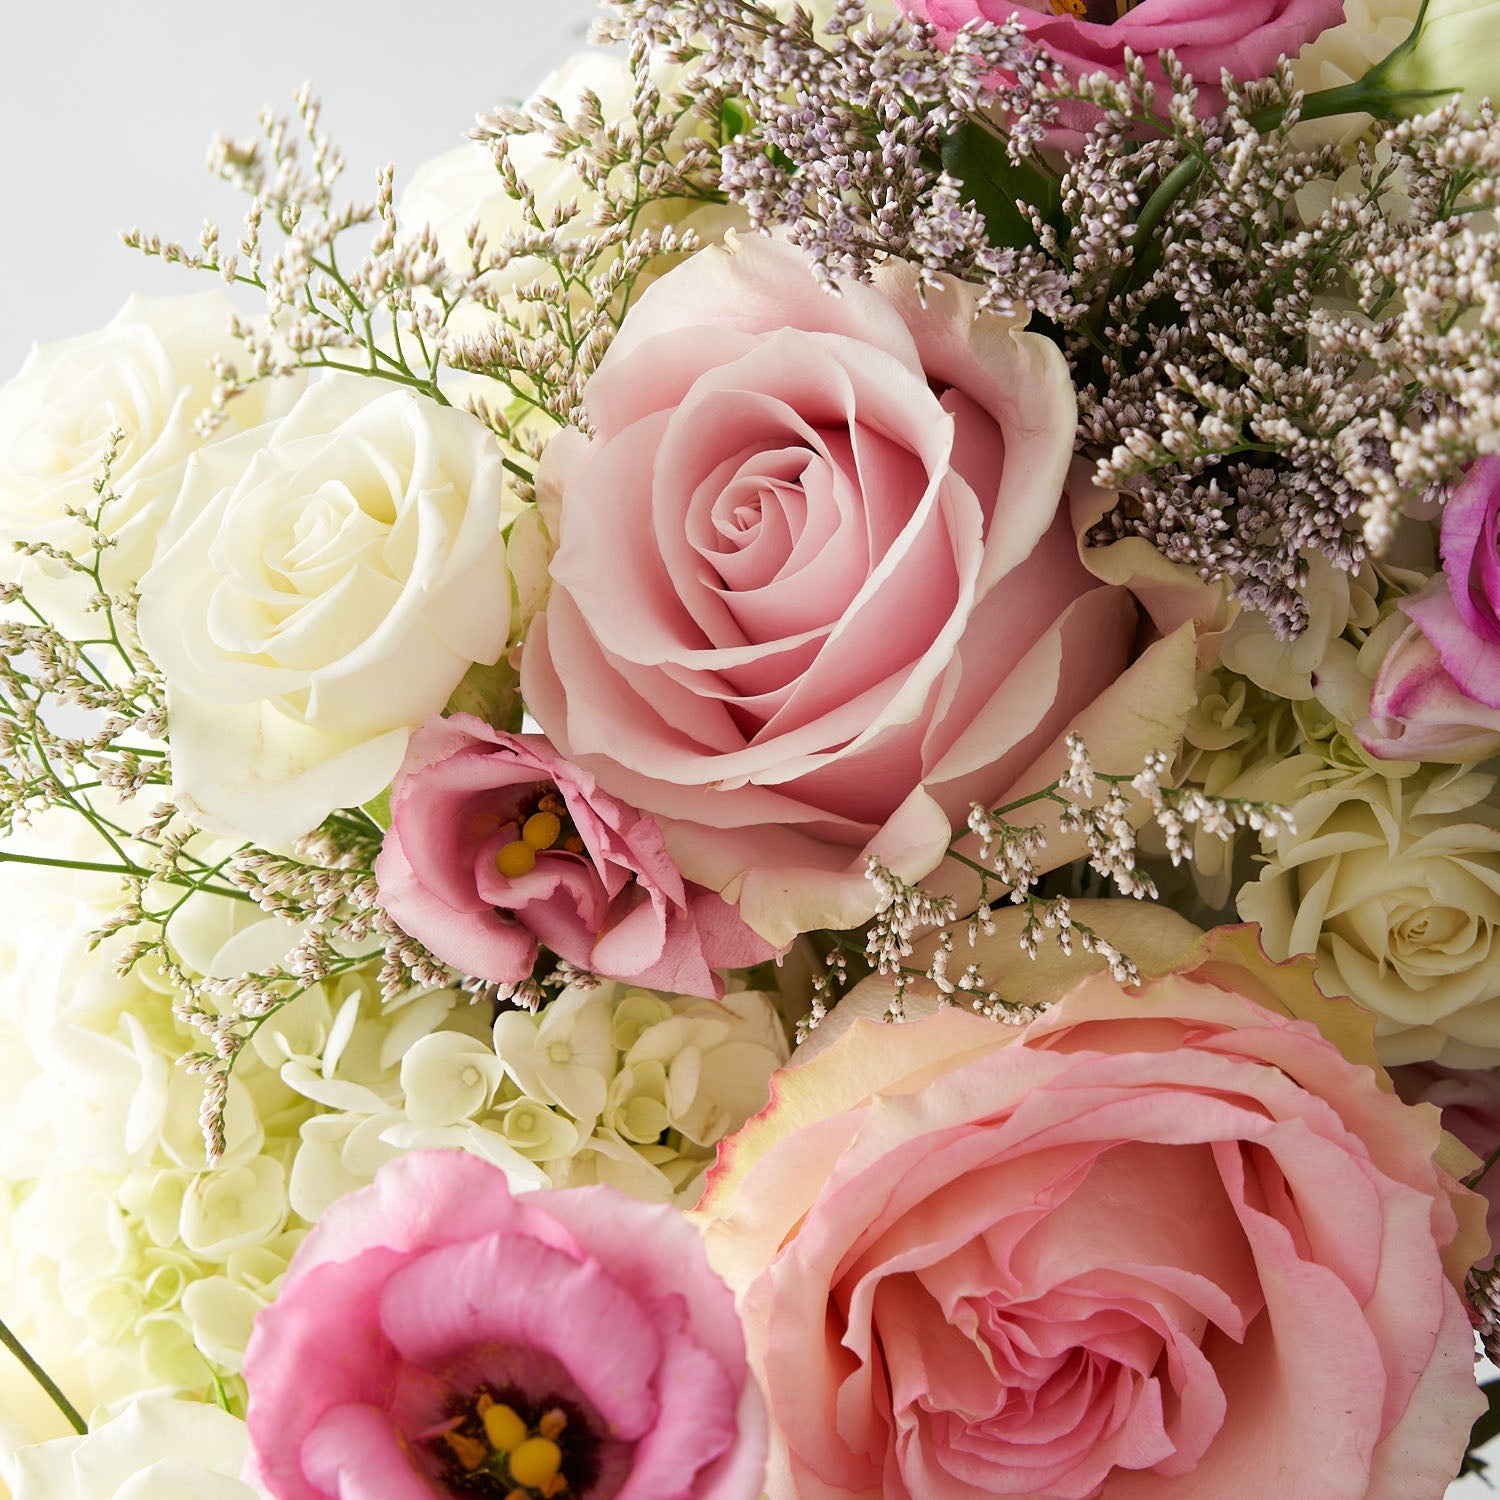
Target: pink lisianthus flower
(432, 1324)
(1208, 37)
(497, 844)
(1178, 1239)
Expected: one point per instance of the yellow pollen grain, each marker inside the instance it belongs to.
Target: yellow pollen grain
(516, 859)
(535, 1461)
(470, 1452)
(542, 830)
(503, 1427)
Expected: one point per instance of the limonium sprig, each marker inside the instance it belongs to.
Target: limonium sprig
(1105, 809)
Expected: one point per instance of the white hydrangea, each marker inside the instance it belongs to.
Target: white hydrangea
(606, 1084)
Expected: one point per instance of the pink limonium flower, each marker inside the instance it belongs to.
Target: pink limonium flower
(497, 845)
(1436, 695)
(437, 1337)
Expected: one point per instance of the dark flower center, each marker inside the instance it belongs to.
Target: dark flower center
(538, 822)
(498, 1445)
(1103, 12)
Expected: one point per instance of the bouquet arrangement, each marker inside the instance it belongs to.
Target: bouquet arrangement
(787, 786)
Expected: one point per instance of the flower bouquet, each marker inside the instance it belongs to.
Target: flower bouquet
(784, 786)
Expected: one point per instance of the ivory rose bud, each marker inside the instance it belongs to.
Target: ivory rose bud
(1246, 38)
(1164, 1240)
(1394, 884)
(817, 586)
(326, 582)
(497, 845)
(433, 1326)
(157, 1448)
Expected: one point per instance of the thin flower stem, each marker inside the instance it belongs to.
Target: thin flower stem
(44, 1380)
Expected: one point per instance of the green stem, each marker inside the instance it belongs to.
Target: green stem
(44, 1380)
(125, 871)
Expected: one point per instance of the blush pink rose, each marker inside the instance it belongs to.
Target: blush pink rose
(1246, 37)
(433, 1295)
(597, 886)
(817, 588)
(1163, 1242)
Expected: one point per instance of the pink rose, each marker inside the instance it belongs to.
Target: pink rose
(497, 844)
(437, 1337)
(817, 588)
(1470, 1102)
(1418, 712)
(1246, 37)
(1459, 611)
(1168, 1241)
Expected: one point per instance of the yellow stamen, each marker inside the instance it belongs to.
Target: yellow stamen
(551, 1488)
(516, 859)
(1069, 8)
(502, 1426)
(535, 1461)
(470, 1452)
(542, 829)
(552, 1423)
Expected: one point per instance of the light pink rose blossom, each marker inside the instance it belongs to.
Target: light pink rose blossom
(600, 890)
(418, 1302)
(1163, 1242)
(817, 588)
(1246, 37)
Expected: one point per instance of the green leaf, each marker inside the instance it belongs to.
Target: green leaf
(996, 185)
(379, 808)
(734, 120)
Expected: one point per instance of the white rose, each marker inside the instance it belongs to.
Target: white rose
(156, 1449)
(145, 372)
(326, 582)
(1394, 884)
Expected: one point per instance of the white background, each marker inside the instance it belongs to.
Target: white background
(107, 108)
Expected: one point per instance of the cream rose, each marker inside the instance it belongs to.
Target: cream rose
(148, 373)
(156, 1449)
(1394, 884)
(326, 582)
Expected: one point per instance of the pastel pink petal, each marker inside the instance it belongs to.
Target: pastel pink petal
(1470, 658)
(477, 940)
(354, 1453)
(696, 1426)
(425, 1199)
(296, 1376)
(1471, 557)
(759, 287)
(514, 1291)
